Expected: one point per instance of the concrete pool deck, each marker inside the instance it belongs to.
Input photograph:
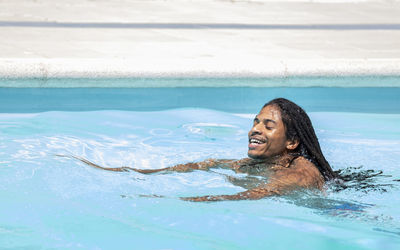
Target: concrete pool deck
(46, 39)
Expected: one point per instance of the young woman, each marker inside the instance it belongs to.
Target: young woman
(283, 148)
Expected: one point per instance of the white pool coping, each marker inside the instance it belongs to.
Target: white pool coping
(112, 68)
(131, 73)
(48, 40)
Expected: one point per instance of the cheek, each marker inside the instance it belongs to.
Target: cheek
(278, 139)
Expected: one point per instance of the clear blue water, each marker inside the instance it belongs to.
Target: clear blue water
(53, 202)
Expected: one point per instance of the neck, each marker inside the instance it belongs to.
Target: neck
(283, 160)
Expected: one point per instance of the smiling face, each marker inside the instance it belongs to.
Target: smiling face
(267, 137)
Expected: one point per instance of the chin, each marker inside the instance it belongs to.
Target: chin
(255, 156)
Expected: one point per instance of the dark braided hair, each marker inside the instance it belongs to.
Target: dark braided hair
(299, 127)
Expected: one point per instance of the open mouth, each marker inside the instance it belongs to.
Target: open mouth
(254, 142)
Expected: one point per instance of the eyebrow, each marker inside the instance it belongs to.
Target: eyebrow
(265, 120)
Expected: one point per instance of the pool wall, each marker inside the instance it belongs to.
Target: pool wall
(202, 81)
(233, 99)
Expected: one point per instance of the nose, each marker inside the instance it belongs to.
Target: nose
(255, 130)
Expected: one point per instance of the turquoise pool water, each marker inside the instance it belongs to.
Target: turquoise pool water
(51, 202)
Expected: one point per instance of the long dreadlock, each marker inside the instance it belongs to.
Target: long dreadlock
(299, 127)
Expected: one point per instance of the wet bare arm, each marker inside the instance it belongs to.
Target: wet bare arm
(120, 169)
(303, 175)
(204, 165)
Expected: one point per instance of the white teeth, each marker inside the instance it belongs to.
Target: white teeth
(256, 141)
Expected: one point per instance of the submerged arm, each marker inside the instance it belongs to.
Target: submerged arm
(252, 194)
(270, 189)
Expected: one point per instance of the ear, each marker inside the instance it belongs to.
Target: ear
(292, 144)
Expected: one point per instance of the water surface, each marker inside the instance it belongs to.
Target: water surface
(53, 202)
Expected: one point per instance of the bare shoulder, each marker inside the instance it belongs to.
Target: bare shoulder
(301, 163)
(302, 173)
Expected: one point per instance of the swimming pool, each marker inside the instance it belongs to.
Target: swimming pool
(52, 202)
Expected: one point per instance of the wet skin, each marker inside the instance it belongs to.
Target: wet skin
(270, 156)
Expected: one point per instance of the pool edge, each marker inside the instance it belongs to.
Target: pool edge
(48, 72)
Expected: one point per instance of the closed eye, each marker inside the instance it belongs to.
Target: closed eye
(269, 124)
